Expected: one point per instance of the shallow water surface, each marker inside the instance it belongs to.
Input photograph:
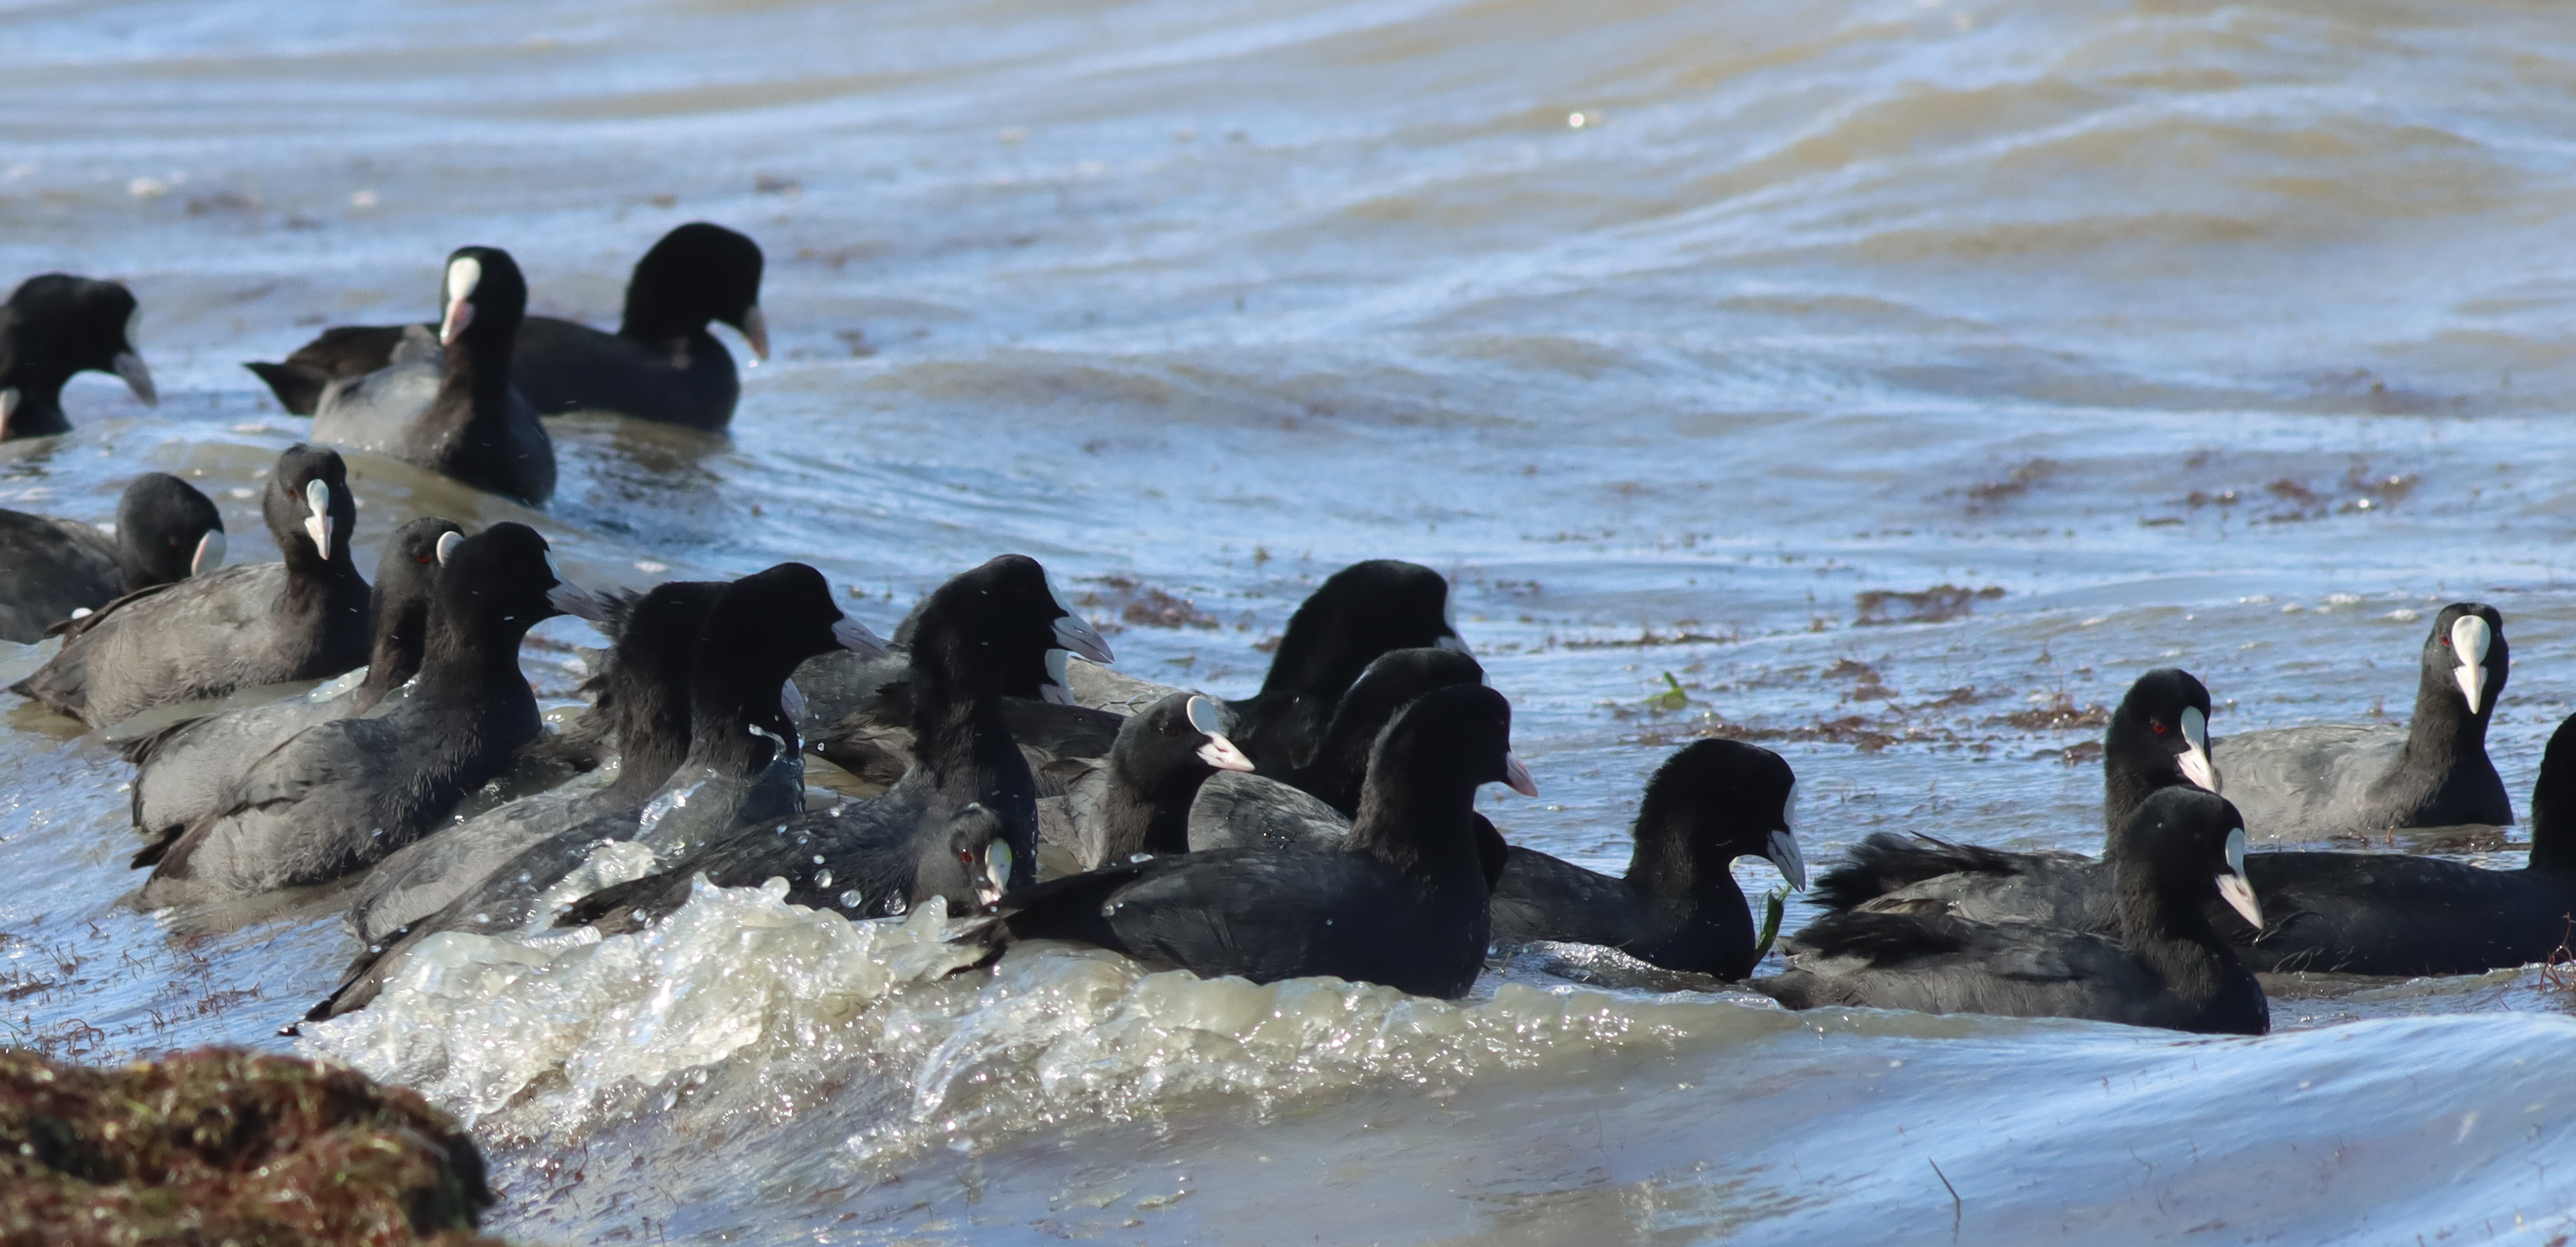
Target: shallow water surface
(1702, 342)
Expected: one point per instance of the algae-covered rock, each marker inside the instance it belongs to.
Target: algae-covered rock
(221, 1145)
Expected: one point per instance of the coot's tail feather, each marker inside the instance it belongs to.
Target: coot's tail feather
(1887, 861)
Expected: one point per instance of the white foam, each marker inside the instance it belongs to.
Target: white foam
(564, 1031)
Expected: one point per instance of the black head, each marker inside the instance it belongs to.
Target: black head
(2182, 844)
(756, 634)
(968, 867)
(1714, 801)
(1423, 776)
(408, 567)
(2553, 803)
(495, 586)
(166, 531)
(406, 576)
(1389, 684)
(53, 326)
(698, 273)
(1357, 614)
(481, 298)
(643, 688)
(1173, 745)
(1001, 627)
(2158, 737)
(309, 508)
(2465, 662)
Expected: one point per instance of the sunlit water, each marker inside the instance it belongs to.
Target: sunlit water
(2225, 336)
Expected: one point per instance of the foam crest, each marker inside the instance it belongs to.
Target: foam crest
(548, 1031)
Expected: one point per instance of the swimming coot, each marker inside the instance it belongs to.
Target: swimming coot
(704, 742)
(1402, 904)
(1679, 905)
(55, 325)
(1313, 803)
(2307, 783)
(303, 618)
(341, 795)
(2390, 913)
(1139, 799)
(186, 767)
(52, 568)
(860, 857)
(2167, 967)
(457, 413)
(2158, 738)
(660, 365)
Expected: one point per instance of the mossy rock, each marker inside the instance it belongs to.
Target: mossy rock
(225, 1146)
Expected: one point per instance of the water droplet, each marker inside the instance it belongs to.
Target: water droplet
(822, 878)
(851, 899)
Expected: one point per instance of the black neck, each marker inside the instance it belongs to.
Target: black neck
(1417, 824)
(1156, 819)
(654, 736)
(396, 655)
(474, 383)
(475, 665)
(2165, 923)
(40, 400)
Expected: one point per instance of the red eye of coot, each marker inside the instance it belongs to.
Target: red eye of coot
(424, 559)
(2446, 642)
(2158, 725)
(966, 857)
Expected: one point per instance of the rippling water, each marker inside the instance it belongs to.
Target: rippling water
(2222, 335)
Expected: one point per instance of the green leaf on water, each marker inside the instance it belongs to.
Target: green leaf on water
(1671, 699)
(1773, 906)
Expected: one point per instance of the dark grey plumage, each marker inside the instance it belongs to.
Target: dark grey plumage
(2391, 913)
(303, 618)
(2308, 783)
(55, 325)
(857, 857)
(2158, 738)
(165, 531)
(185, 768)
(1679, 905)
(660, 365)
(341, 795)
(2167, 967)
(456, 414)
(1402, 904)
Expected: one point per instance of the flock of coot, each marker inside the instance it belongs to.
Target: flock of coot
(294, 725)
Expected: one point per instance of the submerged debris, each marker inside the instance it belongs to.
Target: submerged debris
(221, 1145)
(1146, 606)
(1938, 604)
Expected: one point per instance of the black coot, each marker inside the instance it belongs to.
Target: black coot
(2308, 783)
(858, 710)
(1356, 615)
(1678, 906)
(660, 365)
(55, 325)
(457, 413)
(303, 618)
(641, 694)
(2158, 738)
(859, 857)
(2389, 913)
(1402, 904)
(187, 766)
(2167, 967)
(1139, 799)
(341, 795)
(50, 568)
(695, 688)
(1313, 803)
